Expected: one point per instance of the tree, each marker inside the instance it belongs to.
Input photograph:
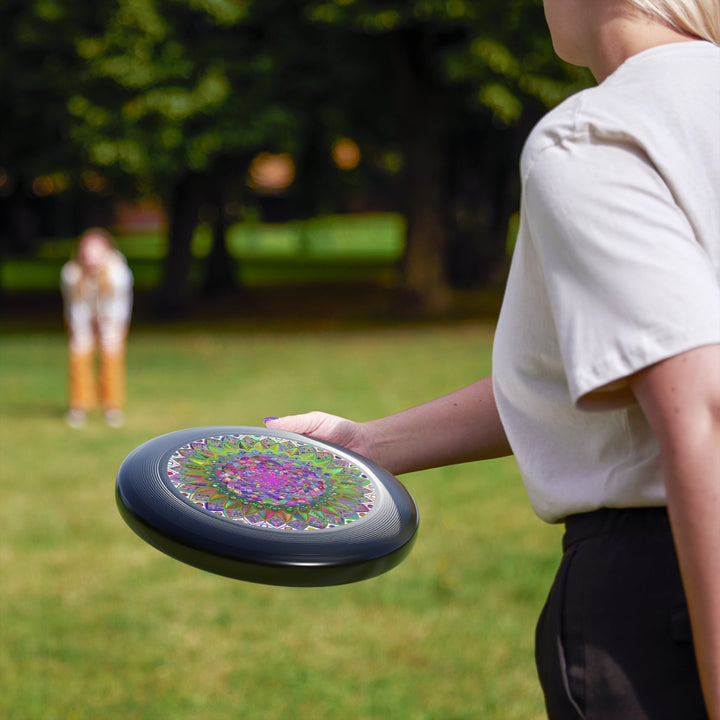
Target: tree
(38, 69)
(461, 72)
(182, 94)
(175, 98)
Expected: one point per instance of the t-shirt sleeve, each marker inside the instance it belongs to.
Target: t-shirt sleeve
(629, 282)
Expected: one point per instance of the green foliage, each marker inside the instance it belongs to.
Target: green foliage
(500, 53)
(153, 87)
(96, 624)
(186, 81)
(38, 69)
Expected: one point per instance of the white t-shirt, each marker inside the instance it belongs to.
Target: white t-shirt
(97, 308)
(617, 266)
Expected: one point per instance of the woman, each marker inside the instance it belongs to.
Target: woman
(97, 293)
(606, 365)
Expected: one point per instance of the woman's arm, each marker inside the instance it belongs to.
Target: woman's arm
(681, 400)
(459, 427)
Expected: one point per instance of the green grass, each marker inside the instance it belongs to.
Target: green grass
(96, 624)
(32, 274)
(342, 248)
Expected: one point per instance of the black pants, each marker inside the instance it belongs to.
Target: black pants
(613, 641)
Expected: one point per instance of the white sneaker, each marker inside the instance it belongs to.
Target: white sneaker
(115, 418)
(75, 418)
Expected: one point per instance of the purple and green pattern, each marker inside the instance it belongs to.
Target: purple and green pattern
(271, 482)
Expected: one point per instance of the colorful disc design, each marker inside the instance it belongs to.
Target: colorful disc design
(266, 506)
(271, 482)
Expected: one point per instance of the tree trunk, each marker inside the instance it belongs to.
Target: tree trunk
(175, 295)
(424, 274)
(485, 194)
(220, 267)
(425, 148)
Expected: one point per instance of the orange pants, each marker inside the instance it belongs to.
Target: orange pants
(84, 393)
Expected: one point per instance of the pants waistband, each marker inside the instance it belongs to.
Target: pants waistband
(608, 521)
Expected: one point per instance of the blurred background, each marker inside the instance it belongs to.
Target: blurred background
(317, 200)
(232, 145)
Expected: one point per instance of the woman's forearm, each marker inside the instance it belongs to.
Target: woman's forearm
(459, 427)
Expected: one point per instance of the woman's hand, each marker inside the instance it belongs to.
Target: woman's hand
(320, 425)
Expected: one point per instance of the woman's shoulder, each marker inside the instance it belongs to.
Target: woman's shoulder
(652, 99)
(596, 114)
(554, 129)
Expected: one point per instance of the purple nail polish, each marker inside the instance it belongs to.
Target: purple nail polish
(269, 418)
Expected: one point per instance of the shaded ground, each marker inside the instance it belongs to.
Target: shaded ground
(312, 307)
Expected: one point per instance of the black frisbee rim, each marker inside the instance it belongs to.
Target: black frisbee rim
(165, 519)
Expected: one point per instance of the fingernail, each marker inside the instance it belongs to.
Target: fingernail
(269, 418)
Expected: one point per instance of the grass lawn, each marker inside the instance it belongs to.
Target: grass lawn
(341, 248)
(96, 624)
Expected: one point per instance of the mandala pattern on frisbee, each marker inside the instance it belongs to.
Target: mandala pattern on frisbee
(271, 482)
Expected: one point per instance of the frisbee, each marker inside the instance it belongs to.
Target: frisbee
(266, 506)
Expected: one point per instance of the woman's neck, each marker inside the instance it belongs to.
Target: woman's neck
(620, 37)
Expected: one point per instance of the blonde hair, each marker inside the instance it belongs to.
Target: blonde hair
(699, 18)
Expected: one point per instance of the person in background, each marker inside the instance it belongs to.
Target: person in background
(97, 295)
(606, 366)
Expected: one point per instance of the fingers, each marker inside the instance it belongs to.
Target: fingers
(304, 424)
(322, 426)
(289, 423)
